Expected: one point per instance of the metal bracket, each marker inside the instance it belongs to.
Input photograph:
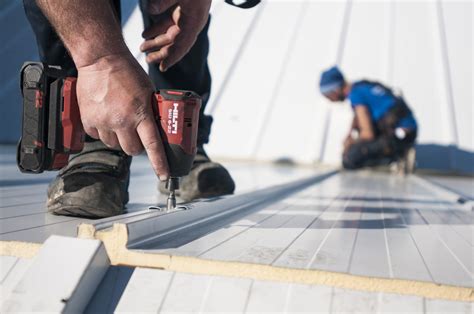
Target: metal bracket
(164, 209)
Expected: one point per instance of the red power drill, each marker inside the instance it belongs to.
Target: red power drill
(52, 128)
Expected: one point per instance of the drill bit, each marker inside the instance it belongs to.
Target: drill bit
(172, 185)
(171, 201)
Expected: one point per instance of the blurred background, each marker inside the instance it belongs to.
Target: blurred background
(266, 64)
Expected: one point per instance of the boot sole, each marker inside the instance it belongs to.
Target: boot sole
(80, 212)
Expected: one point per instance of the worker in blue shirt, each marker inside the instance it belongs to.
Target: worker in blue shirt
(383, 129)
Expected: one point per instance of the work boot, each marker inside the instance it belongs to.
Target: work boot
(408, 161)
(206, 179)
(406, 164)
(93, 185)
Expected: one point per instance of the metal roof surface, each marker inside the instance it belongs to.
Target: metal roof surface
(149, 290)
(362, 224)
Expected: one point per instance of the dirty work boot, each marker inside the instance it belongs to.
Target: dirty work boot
(206, 179)
(93, 185)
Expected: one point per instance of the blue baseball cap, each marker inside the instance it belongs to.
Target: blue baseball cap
(331, 80)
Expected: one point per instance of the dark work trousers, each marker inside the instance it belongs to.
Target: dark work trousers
(191, 73)
(381, 151)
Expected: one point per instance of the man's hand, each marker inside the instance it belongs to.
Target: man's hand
(114, 96)
(113, 91)
(178, 23)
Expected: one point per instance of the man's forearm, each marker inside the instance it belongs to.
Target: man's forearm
(89, 28)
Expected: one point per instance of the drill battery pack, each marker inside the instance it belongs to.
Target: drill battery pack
(51, 124)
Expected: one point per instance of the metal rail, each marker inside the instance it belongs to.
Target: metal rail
(148, 228)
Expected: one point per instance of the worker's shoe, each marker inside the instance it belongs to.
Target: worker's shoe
(93, 185)
(407, 162)
(206, 179)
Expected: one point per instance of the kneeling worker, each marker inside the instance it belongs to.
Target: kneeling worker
(384, 123)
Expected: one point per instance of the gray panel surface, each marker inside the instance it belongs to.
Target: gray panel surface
(13, 273)
(62, 277)
(362, 223)
(463, 186)
(23, 214)
(152, 290)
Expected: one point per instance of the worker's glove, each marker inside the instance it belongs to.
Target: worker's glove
(177, 25)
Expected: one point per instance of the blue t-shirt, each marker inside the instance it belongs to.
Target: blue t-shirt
(378, 100)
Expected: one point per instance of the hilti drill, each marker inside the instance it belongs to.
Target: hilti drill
(52, 128)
